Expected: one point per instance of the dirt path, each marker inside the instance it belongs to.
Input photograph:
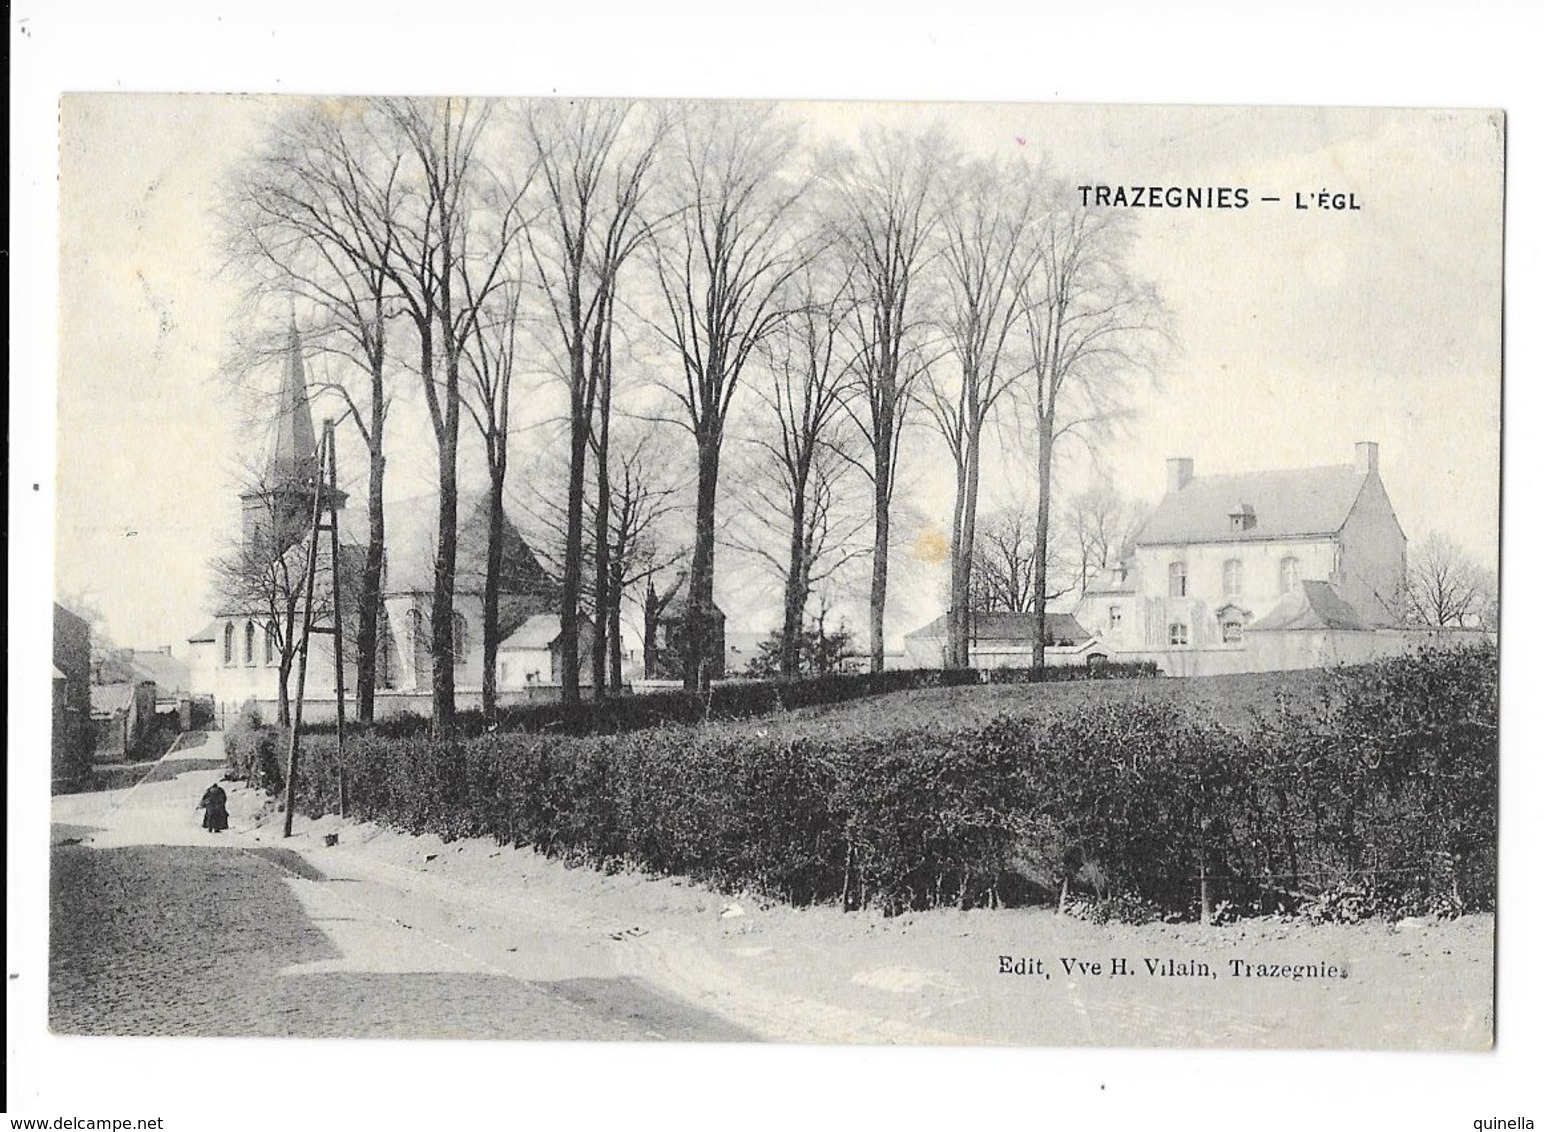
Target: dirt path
(408, 923)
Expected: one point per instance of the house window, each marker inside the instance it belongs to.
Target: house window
(1177, 579)
(458, 638)
(270, 636)
(1233, 577)
(1289, 579)
(1115, 614)
(1179, 633)
(230, 644)
(249, 649)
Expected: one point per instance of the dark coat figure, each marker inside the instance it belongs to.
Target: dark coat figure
(212, 803)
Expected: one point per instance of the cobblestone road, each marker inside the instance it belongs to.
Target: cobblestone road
(236, 940)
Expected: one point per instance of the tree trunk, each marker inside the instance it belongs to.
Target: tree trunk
(881, 557)
(614, 625)
(375, 556)
(573, 547)
(700, 587)
(958, 616)
(491, 580)
(282, 710)
(1046, 433)
(965, 528)
(442, 611)
(794, 588)
(599, 652)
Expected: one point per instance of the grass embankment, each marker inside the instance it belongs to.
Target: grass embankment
(1234, 700)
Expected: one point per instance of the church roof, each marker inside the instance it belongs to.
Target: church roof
(412, 534)
(672, 600)
(1288, 503)
(1315, 605)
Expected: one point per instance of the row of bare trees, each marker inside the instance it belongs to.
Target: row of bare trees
(700, 265)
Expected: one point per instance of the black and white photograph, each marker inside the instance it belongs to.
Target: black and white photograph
(730, 572)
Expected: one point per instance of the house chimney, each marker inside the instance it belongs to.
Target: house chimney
(1181, 470)
(1366, 457)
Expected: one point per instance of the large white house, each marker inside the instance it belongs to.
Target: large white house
(1259, 570)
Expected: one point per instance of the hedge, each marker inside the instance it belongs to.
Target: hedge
(1380, 798)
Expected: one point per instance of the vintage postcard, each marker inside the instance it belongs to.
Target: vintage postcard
(777, 572)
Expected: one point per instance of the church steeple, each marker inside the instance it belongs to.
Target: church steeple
(293, 458)
(276, 510)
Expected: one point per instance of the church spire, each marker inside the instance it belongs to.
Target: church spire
(293, 459)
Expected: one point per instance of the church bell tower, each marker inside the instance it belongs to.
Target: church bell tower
(276, 510)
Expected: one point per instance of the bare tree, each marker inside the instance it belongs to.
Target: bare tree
(887, 198)
(493, 355)
(263, 578)
(1445, 588)
(984, 236)
(1091, 329)
(1003, 578)
(724, 262)
(310, 217)
(448, 257)
(1104, 525)
(594, 168)
(805, 397)
(646, 488)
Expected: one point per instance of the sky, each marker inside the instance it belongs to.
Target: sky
(1298, 332)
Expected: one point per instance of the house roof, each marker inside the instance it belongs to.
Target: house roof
(209, 632)
(137, 665)
(1289, 503)
(1315, 605)
(538, 632)
(1010, 628)
(108, 698)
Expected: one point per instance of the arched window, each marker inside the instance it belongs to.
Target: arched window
(1179, 633)
(1289, 579)
(249, 647)
(270, 640)
(458, 638)
(1177, 579)
(1233, 577)
(230, 642)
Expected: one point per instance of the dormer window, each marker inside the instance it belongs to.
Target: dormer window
(1242, 518)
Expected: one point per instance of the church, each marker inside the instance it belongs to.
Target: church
(236, 657)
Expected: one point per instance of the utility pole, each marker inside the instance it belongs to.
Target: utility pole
(326, 499)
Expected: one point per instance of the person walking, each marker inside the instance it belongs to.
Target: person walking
(216, 818)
